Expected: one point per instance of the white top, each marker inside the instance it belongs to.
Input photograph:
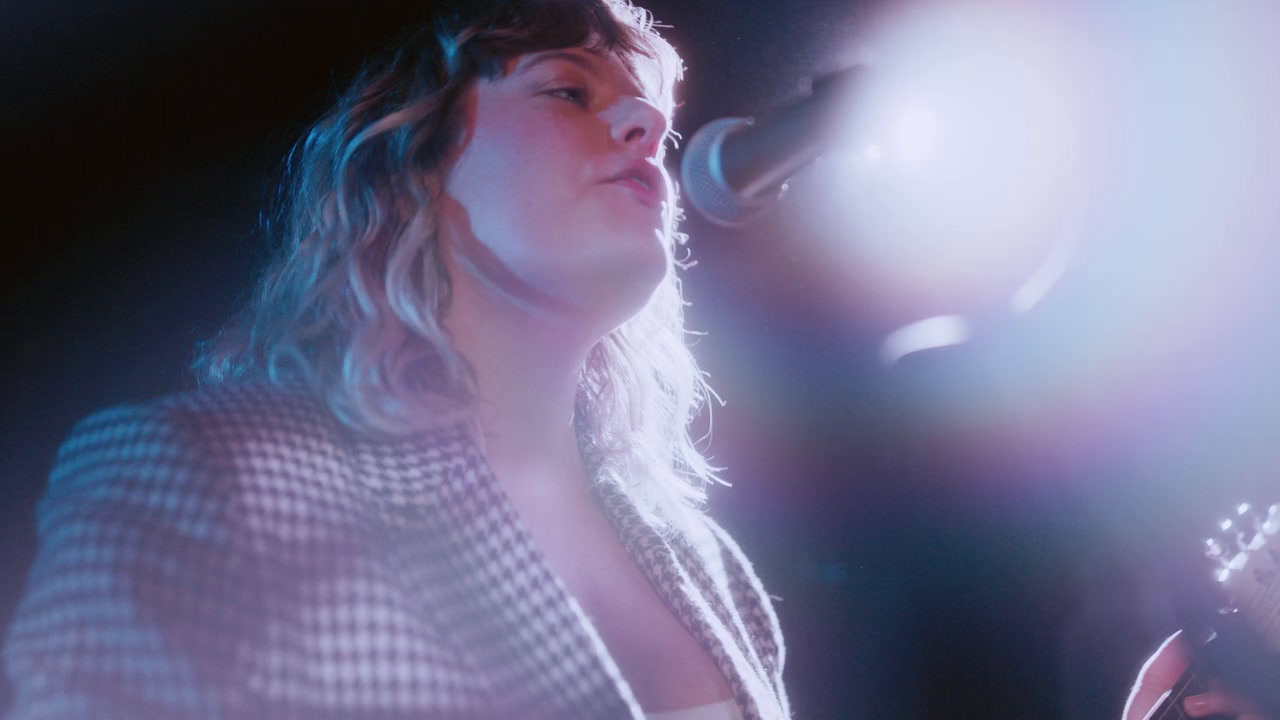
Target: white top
(723, 710)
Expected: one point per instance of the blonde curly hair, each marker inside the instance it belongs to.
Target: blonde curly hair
(351, 306)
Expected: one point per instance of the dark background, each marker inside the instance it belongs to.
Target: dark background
(932, 557)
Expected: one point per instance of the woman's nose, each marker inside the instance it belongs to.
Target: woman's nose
(636, 122)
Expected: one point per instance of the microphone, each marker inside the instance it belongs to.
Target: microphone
(735, 168)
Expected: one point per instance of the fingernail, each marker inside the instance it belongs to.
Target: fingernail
(1196, 703)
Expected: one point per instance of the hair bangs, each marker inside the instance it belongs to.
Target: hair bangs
(515, 29)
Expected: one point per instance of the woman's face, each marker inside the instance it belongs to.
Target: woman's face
(558, 200)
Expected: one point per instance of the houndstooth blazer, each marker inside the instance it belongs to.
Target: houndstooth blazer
(237, 553)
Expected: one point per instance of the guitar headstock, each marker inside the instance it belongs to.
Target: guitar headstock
(1246, 553)
(1238, 645)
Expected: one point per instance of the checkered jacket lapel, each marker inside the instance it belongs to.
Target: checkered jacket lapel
(251, 558)
(691, 577)
(506, 605)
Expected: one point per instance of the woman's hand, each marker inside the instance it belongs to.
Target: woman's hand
(1162, 671)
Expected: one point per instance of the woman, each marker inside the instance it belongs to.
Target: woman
(441, 467)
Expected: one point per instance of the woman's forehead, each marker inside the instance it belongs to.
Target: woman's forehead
(635, 75)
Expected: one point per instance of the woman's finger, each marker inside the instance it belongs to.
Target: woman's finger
(1221, 703)
(1158, 675)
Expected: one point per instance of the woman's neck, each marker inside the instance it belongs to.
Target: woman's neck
(526, 373)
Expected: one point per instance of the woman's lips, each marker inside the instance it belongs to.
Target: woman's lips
(648, 196)
(645, 179)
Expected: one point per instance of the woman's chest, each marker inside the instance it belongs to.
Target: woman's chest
(666, 667)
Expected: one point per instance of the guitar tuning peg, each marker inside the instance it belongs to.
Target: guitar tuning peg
(1238, 561)
(1228, 557)
(1272, 523)
(1243, 508)
(1213, 548)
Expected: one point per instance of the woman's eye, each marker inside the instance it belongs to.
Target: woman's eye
(574, 94)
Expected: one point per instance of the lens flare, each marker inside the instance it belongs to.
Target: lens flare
(967, 154)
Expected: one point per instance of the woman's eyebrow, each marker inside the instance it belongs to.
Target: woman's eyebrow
(578, 59)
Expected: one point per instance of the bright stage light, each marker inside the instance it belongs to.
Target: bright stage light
(913, 133)
(1107, 168)
(968, 155)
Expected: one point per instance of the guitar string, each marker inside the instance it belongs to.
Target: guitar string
(1274, 621)
(1173, 703)
(1262, 603)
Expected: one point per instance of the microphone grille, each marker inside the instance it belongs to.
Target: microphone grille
(702, 177)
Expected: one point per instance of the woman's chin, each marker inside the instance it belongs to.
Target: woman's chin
(615, 296)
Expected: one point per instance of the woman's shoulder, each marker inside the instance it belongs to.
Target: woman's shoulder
(263, 438)
(185, 533)
(203, 427)
(217, 412)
